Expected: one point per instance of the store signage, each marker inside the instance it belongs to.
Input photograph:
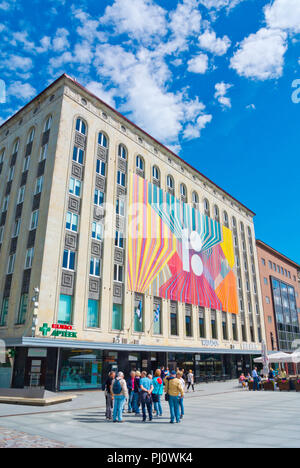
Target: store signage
(211, 343)
(58, 330)
(37, 352)
(249, 347)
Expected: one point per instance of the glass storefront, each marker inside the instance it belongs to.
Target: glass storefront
(6, 369)
(80, 369)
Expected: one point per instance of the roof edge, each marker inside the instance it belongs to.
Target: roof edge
(262, 244)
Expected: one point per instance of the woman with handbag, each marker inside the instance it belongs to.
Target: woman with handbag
(158, 390)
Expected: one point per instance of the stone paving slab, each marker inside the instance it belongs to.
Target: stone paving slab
(16, 439)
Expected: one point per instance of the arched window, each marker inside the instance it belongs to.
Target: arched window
(140, 163)
(48, 123)
(249, 232)
(206, 207)
(170, 182)
(195, 198)
(226, 219)
(2, 154)
(234, 222)
(102, 140)
(16, 146)
(81, 126)
(242, 227)
(155, 173)
(122, 152)
(30, 136)
(216, 213)
(183, 190)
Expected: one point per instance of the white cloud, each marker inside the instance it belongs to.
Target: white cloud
(4, 6)
(2, 27)
(184, 22)
(89, 27)
(22, 91)
(283, 14)
(198, 64)
(251, 107)
(140, 19)
(60, 41)
(220, 94)
(45, 45)
(209, 41)
(17, 62)
(83, 53)
(261, 55)
(194, 131)
(98, 89)
(218, 4)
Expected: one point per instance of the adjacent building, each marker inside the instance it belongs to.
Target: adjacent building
(280, 279)
(115, 252)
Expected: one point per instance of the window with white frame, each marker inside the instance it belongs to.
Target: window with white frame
(30, 136)
(98, 197)
(78, 155)
(97, 231)
(170, 182)
(95, 267)
(102, 140)
(39, 185)
(29, 258)
(80, 126)
(16, 228)
(44, 151)
(34, 220)
(122, 152)
(118, 273)
(16, 146)
(1, 234)
(48, 123)
(206, 207)
(183, 190)
(155, 173)
(120, 207)
(121, 178)
(26, 164)
(101, 167)
(119, 239)
(11, 264)
(72, 222)
(5, 203)
(21, 194)
(69, 260)
(139, 163)
(11, 174)
(195, 198)
(75, 187)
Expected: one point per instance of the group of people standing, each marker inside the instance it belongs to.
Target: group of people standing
(143, 393)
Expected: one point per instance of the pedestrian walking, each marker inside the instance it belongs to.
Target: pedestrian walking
(190, 380)
(120, 394)
(173, 393)
(136, 400)
(163, 373)
(130, 387)
(108, 395)
(158, 390)
(146, 387)
(181, 402)
(255, 379)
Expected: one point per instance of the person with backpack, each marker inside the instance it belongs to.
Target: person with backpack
(108, 395)
(174, 392)
(158, 390)
(120, 394)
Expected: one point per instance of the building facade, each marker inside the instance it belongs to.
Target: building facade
(115, 253)
(280, 282)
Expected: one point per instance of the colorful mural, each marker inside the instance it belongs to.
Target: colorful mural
(177, 253)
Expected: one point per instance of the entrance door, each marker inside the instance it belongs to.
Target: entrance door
(35, 372)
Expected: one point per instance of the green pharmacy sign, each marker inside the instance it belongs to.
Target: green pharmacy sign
(58, 330)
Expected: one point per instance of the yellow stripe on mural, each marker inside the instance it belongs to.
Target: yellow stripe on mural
(227, 246)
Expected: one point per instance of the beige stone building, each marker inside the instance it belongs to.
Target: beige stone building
(66, 162)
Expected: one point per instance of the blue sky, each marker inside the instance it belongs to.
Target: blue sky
(211, 79)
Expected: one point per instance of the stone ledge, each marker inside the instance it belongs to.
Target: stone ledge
(36, 401)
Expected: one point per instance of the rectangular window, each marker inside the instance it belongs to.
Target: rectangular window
(65, 309)
(93, 314)
(95, 267)
(69, 260)
(39, 185)
(34, 220)
(4, 312)
(98, 197)
(120, 207)
(117, 317)
(11, 264)
(188, 321)
(97, 231)
(44, 151)
(101, 167)
(224, 326)
(21, 194)
(119, 240)
(72, 222)
(22, 309)
(157, 326)
(26, 164)
(121, 178)
(75, 187)
(118, 273)
(78, 155)
(139, 315)
(1, 234)
(11, 174)
(234, 328)
(214, 332)
(2, 156)
(16, 229)
(202, 322)
(29, 258)
(5, 203)
(173, 319)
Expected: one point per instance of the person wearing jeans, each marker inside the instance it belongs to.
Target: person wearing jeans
(130, 386)
(174, 392)
(136, 400)
(255, 379)
(120, 394)
(158, 390)
(146, 387)
(181, 405)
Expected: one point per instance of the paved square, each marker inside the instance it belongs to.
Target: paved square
(216, 415)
